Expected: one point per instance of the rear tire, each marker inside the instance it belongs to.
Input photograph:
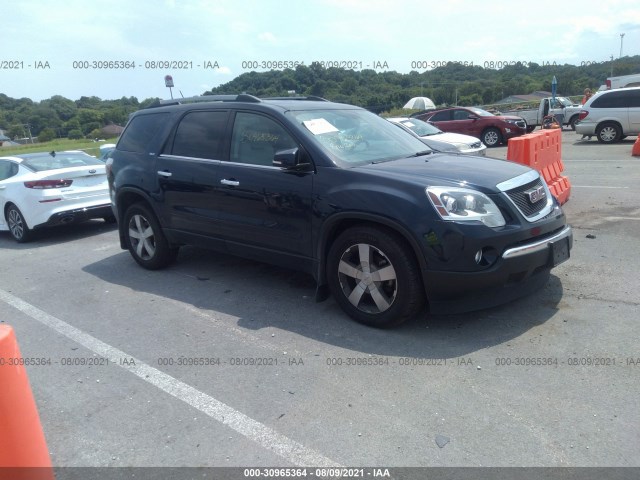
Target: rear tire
(144, 238)
(18, 228)
(374, 277)
(608, 132)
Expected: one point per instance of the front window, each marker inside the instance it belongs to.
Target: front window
(357, 137)
(256, 139)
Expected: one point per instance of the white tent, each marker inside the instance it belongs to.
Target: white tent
(420, 103)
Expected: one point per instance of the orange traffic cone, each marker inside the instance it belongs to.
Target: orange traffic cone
(23, 449)
(635, 151)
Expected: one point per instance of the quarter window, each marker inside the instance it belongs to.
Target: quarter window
(140, 132)
(257, 138)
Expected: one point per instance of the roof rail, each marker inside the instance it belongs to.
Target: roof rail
(243, 97)
(310, 97)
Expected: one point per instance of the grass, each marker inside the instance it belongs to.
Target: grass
(88, 146)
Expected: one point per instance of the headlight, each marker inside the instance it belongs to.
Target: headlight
(460, 146)
(465, 205)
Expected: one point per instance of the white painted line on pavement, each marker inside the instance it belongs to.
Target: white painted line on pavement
(598, 186)
(266, 437)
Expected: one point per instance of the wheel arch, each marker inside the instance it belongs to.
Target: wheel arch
(338, 223)
(11, 203)
(126, 198)
(614, 121)
(602, 123)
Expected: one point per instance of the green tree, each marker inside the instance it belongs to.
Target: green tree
(74, 134)
(46, 135)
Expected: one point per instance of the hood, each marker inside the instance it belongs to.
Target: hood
(480, 173)
(451, 137)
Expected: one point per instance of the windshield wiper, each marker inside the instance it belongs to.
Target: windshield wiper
(422, 153)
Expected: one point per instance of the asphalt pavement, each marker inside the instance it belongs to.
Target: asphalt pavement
(223, 362)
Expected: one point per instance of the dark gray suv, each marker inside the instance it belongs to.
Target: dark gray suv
(381, 221)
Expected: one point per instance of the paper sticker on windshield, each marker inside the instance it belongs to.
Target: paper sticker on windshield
(318, 126)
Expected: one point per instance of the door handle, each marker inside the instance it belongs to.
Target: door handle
(232, 183)
(163, 173)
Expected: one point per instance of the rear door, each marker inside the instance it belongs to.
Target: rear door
(8, 169)
(187, 171)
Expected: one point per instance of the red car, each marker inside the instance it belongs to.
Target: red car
(491, 129)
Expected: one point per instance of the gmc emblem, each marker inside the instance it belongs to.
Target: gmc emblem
(536, 194)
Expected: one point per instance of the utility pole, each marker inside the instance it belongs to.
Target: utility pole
(621, 38)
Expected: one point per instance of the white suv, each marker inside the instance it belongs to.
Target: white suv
(611, 115)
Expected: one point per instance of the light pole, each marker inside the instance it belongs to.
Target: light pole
(621, 38)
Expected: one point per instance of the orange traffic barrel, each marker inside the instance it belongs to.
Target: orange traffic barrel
(635, 151)
(23, 449)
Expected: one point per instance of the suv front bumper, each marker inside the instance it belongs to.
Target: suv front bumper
(519, 271)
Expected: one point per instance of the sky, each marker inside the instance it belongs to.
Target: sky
(72, 47)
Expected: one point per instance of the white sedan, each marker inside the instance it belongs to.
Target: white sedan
(464, 143)
(46, 189)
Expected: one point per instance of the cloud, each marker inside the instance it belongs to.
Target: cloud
(267, 37)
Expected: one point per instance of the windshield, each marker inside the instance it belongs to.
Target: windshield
(47, 161)
(480, 112)
(563, 101)
(422, 129)
(357, 137)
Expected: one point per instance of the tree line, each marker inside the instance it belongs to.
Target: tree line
(451, 84)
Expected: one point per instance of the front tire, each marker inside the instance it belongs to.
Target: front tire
(374, 277)
(608, 133)
(491, 137)
(18, 228)
(144, 238)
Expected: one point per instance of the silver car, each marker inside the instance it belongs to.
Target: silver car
(611, 115)
(463, 143)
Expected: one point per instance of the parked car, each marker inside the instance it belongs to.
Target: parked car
(45, 189)
(491, 129)
(623, 81)
(106, 150)
(465, 144)
(560, 107)
(611, 115)
(381, 222)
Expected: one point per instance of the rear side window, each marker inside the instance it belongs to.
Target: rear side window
(7, 169)
(140, 132)
(441, 116)
(200, 135)
(613, 100)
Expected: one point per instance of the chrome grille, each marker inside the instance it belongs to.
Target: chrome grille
(522, 202)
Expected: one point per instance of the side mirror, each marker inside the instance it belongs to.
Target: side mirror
(472, 117)
(291, 159)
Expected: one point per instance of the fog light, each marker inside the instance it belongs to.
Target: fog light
(487, 256)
